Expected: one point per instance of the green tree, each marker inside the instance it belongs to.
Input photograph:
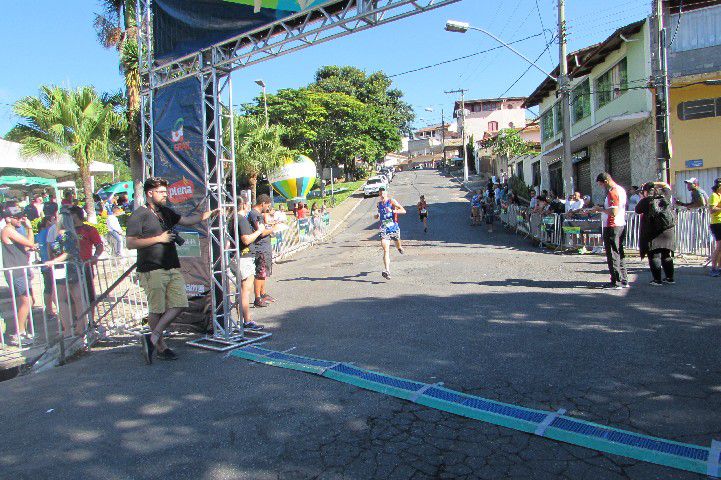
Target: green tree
(72, 122)
(117, 28)
(332, 128)
(373, 90)
(258, 149)
(508, 144)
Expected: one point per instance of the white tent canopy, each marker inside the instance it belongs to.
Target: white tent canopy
(60, 167)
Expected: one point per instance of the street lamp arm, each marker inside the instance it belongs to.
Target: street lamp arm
(514, 51)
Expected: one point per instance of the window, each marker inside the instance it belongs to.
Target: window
(557, 117)
(581, 101)
(547, 125)
(612, 84)
(490, 106)
(519, 171)
(492, 126)
(697, 29)
(702, 108)
(536, 173)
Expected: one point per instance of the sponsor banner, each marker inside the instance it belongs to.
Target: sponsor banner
(178, 144)
(181, 27)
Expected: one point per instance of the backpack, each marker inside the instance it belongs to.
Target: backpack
(660, 215)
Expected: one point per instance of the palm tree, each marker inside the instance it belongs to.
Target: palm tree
(257, 148)
(67, 122)
(117, 28)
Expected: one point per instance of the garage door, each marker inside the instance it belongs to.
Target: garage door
(582, 172)
(618, 153)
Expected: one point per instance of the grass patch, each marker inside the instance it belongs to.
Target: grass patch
(346, 190)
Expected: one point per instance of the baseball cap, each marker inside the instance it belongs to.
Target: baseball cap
(692, 180)
(12, 211)
(717, 183)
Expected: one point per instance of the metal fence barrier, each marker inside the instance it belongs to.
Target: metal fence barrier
(582, 232)
(44, 308)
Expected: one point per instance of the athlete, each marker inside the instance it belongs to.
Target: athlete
(476, 202)
(388, 208)
(423, 213)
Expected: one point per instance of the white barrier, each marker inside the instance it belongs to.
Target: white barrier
(693, 236)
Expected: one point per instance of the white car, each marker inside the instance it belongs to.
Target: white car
(373, 184)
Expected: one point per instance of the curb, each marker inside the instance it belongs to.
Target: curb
(327, 236)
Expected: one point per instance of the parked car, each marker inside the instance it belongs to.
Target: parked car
(373, 184)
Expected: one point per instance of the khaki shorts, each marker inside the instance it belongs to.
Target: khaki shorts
(165, 289)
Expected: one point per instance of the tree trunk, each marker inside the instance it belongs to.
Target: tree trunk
(88, 192)
(135, 156)
(253, 181)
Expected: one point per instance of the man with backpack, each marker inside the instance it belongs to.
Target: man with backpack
(657, 238)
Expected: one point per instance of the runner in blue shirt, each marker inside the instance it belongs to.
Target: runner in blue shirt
(388, 208)
(476, 202)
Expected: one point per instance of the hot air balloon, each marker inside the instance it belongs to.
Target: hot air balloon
(294, 178)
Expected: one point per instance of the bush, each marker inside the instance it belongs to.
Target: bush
(520, 188)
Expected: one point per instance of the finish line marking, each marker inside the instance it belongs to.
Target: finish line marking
(553, 425)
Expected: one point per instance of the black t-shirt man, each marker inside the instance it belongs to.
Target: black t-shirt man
(262, 244)
(244, 228)
(145, 223)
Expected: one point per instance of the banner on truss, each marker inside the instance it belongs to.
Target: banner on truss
(178, 144)
(181, 27)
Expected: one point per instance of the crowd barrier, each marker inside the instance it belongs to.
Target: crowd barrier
(583, 232)
(58, 299)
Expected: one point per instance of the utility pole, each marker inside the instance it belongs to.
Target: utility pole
(565, 88)
(663, 150)
(463, 130)
(443, 136)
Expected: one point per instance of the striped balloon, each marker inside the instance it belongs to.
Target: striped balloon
(295, 178)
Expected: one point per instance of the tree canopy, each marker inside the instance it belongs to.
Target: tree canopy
(344, 116)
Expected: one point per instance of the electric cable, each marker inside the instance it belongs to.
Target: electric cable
(444, 62)
(678, 23)
(543, 28)
(548, 45)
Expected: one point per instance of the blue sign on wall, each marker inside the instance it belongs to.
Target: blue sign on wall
(694, 163)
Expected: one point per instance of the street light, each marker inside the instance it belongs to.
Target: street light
(462, 27)
(261, 84)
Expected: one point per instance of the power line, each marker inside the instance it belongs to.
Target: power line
(548, 45)
(543, 28)
(463, 57)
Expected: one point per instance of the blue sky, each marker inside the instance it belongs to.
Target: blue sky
(48, 42)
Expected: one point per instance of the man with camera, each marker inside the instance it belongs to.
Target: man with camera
(151, 230)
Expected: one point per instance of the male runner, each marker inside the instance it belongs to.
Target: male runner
(387, 209)
(476, 204)
(423, 213)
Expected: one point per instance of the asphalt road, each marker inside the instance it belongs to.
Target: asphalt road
(486, 313)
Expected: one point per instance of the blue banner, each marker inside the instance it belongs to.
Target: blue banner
(178, 145)
(181, 27)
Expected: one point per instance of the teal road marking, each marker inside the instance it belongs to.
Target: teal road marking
(553, 425)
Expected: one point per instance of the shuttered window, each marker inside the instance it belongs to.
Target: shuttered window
(619, 160)
(702, 108)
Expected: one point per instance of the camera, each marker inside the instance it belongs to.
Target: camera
(178, 240)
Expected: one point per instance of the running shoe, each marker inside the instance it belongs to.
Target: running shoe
(253, 326)
(670, 281)
(386, 275)
(267, 298)
(147, 347)
(654, 283)
(715, 273)
(401, 250)
(612, 286)
(625, 285)
(260, 303)
(167, 354)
